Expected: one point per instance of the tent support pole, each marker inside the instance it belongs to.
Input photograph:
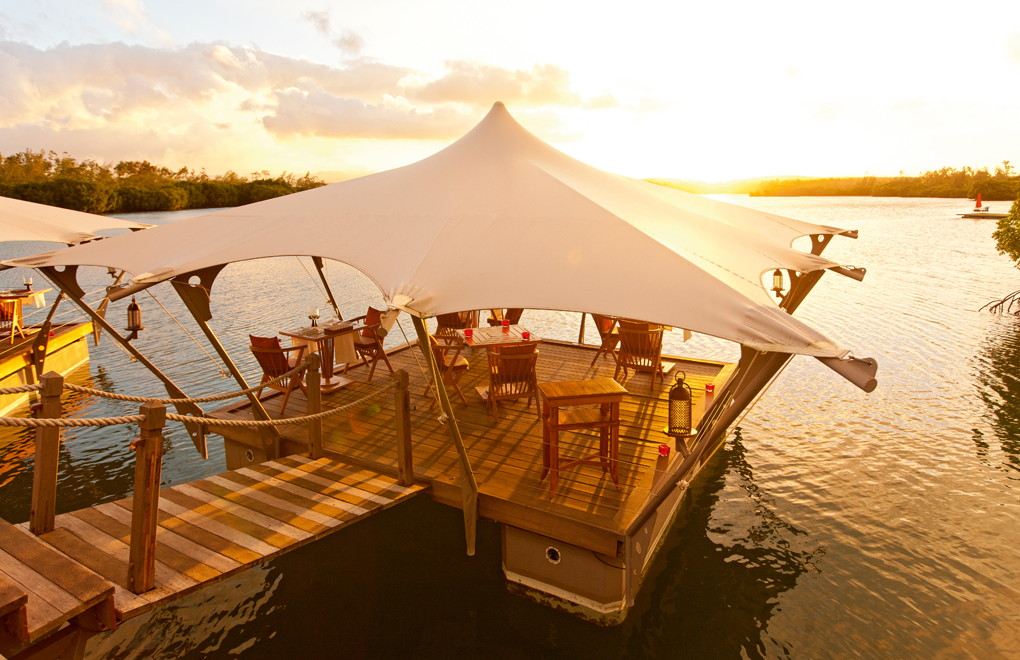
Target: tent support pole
(468, 487)
(67, 282)
(196, 299)
(322, 276)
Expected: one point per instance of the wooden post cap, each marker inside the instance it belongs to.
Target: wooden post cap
(52, 384)
(155, 416)
(312, 360)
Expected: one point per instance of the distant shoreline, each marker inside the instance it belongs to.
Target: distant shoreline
(944, 183)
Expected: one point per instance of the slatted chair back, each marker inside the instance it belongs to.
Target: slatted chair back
(451, 367)
(640, 348)
(608, 335)
(271, 358)
(327, 348)
(448, 324)
(274, 361)
(369, 342)
(512, 314)
(512, 374)
(10, 317)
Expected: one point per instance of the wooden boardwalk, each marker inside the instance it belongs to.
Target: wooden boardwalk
(506, 456)
(208, 530)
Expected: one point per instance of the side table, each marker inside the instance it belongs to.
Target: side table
(595, 404)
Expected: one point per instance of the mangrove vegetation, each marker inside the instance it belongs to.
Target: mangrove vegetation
(1001, 185)
(134, 186)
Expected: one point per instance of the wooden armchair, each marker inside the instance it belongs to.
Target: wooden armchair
(275, 362)
(10, 317)
(451, 367)
(448, 324)
(368, 343)
(640, 349)
(512, 375)
(609, 335)
(512, 314)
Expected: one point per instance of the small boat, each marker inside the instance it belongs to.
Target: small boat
(982, 212)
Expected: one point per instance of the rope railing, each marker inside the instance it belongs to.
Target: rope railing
(209, 421)
(212, 421)
(141, 399)
(49, 422)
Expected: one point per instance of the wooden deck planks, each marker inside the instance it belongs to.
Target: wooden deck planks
(208, 530)
(55, 588)
(507, 456)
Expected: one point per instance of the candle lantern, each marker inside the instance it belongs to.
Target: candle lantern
(134, 319)
(680, 398)
(777, 283)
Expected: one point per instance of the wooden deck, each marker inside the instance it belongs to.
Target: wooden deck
(208, 530)
(506, 457)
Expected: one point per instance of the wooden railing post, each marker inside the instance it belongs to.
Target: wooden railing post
(47, 453)
(402, 405)
(145, 506)
(313, 385)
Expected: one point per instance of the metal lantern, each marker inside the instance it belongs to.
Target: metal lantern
(680, 397)
(134, 319)
(777, 283)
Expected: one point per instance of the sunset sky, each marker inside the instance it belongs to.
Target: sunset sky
(707, 90)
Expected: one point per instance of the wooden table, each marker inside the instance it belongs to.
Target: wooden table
(596, 404)
(491, 336)
(494, 336)
(34, 297)
(12, 300)
(343, 349)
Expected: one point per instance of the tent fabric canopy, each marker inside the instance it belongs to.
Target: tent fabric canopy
(501, 219)
(27, 221)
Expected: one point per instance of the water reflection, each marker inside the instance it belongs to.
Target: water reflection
(998, 367)
(399, 585)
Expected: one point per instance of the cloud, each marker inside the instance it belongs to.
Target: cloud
(350, 42)
(482, 84)
(311, 110)
(318, 19)
(209, 103)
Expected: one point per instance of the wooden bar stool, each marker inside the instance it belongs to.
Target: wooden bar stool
(596, 405)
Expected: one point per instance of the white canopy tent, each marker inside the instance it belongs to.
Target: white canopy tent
(27, 221)
(501, 219)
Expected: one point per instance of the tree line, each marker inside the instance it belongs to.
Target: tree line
(134, 186)
(1002, 185)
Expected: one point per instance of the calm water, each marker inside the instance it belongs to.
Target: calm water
(833, 524)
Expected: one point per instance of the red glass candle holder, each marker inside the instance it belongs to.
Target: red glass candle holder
(525, 335)
(709, 388)
(468, 332)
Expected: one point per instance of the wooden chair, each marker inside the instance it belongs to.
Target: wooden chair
(275, 362)
(448, 324)
(512, 314)
(451, 368)
(609, 335)
(368, 343)
(10, 317)
(512, 375)
(640, 349)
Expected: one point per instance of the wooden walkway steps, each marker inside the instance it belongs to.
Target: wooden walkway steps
(208, 530)
(40, 589)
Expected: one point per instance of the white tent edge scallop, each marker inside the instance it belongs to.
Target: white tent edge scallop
(21, 220)
(578, 239)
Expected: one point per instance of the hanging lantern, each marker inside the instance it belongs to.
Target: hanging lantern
(777, 283)
(680, 398)
(134, 313)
